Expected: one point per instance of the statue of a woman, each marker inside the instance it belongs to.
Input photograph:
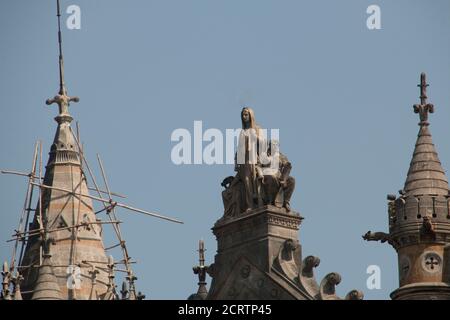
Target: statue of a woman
(251, 144)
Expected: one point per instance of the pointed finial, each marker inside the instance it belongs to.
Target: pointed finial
(131, 286)
(61, 99)
(423, 88)
(16, 280)
(424, 107)
(124, 291)
(111, 262)
(5, 294)
(110, 266)
(140, 296)
(111, 293)
(201, 252)
(201, 271)
(94, 272)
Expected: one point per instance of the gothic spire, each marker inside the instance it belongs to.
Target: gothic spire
(425, 175)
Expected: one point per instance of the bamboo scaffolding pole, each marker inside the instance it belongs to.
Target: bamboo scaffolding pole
(103, 262)
(75, 220)
(81, 264)
(81, 177)
(113, 203)
(108, 209)
(113, 213)
(22, 234)
(35, 232)
(25, 211)
(41, 224)
(23, 174)
(114, 246)
(101, 210)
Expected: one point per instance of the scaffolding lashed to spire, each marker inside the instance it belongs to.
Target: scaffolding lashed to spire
(62, 255)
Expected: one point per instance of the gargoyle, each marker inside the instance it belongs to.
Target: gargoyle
(306, 277)
(328, 286)
(427, 226)
(309, 263)
(354, 295)
(328, 289)
(376, 236)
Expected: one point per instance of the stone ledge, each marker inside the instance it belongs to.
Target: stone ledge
(422, 291)
(268, 209)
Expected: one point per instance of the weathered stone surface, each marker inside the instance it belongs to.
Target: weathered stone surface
(46, 286)
(419, 219)
(77, 250)
(259, 257)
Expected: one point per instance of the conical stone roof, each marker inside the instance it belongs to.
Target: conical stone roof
(426, 175)
(46, 287)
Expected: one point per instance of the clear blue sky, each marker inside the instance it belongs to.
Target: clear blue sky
(341, 95)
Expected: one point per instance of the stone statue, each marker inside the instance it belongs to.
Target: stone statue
(232, 196)
(250, 145)
(263, 173)
(274, 172)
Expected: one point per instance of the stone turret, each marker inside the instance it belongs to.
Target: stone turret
(419, 218)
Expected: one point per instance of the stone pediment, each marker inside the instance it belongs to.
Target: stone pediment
(247, 282)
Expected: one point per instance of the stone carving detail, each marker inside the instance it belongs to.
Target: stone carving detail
(309, 263)
(262, 172)
(328, 286)
(277, 183)
(245, 271)
(288, 260)
(431, 262)
(376, 236)
(354, 295)
(405, 267)
(427, 226)
(327, 289)
(274, 293)
(306, 277)
(260, 283)
(210, 270)
(282, 221)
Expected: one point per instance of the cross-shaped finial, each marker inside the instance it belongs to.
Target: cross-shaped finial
(423, 108)
(63, 102)
(201, 269)
(61, 99)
